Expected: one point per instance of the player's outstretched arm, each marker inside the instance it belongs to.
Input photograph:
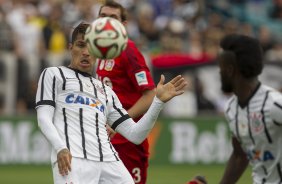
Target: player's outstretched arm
(173, 88)
(137, 132)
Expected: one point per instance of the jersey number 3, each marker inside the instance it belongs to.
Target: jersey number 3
(136, 172)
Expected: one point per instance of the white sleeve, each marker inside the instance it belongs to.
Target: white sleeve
(45, 122)
(46, 91)
(137, 132)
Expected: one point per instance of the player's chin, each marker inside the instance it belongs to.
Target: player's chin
(86, 68)
(226, 89)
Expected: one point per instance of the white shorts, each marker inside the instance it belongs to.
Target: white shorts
(93, 172)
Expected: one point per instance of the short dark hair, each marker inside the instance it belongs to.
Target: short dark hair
(80, 29)
(113, 4)
(248, 53)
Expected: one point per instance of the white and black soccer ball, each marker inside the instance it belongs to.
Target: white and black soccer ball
(106, 38)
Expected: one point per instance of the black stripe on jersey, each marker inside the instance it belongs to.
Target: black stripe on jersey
(264, 170)
(98, 137)
(82, 131)
(53, 88)
(115, 107)
(104, 88)
(80, 83)
(64, 79)
(276, 122)
(111, 147)
(263, 181)
(66, 128)
(42, 86)
(119, 121)
(95, 90)
(263, 118)
(279, 171)
(229, 106)
(46, 102)
(278, 105)
(249, 125)
(236, 123)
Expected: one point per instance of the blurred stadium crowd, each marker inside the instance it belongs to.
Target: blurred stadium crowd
(34, 34)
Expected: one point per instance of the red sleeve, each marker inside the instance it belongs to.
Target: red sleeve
(137, 69)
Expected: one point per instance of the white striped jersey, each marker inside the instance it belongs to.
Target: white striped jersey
(82, 105)
(258, 127)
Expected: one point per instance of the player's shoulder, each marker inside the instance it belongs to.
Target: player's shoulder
(273, 94)
(54, 70)
(130, 46)
(132, 53)
(275, 105)
(130, 43)
(230, 102)
(49, 70)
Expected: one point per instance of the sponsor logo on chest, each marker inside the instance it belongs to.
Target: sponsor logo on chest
(80, 99)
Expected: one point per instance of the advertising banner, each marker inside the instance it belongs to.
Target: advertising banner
(172, 141)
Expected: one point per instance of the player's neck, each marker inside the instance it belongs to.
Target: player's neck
(246, 90)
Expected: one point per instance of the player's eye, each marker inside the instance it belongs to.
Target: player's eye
(102, 15)
(81, 44)
(114, 16)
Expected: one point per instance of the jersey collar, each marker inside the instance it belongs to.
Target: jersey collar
(243, 105)
(80, 72)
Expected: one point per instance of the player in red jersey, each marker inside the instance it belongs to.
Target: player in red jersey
(130, 78)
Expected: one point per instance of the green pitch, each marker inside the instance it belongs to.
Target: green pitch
(18, 174)
(183, 173)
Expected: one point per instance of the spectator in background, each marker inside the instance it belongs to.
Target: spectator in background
(7, 38)
(276, 10)
(162, 7)
(247, 29)
(274, 54)
(54, 38)
(145, 20)
(265, 38)
(27, 36)
(231, 26)
(21, 18)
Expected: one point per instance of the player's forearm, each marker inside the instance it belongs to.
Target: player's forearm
(234, 169)
(137, 132)
(142, 105)
(44, 118)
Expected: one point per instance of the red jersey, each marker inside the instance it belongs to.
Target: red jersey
(128, 75)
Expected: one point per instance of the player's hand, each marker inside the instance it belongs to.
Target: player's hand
(110, 131)
(173, 88)
(64, 161)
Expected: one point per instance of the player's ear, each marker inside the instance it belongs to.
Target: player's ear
(124, 23)
(70, 46)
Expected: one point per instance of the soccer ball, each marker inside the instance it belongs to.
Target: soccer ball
(106, 38)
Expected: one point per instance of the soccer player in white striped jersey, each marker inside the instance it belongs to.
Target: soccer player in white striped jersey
(72, 111)
(254, 112)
